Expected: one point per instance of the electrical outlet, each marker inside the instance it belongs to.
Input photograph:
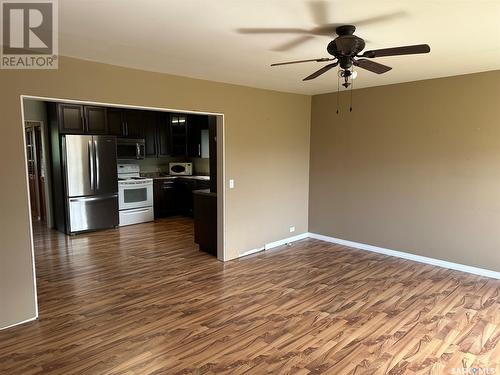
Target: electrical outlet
(231, 184)
(292, 229)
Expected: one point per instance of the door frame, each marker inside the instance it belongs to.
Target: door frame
(30, 126)
(221, 163)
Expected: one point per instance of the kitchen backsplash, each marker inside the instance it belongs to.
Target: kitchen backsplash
(201, 166)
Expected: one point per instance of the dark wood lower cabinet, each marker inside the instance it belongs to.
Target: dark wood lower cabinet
(174, 196)
(165, 198)
(185, 190)
(212, 142)
(205, 220)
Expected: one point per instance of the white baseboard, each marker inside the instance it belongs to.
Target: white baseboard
(285, 241)
(253, 251)
(409, 256)
(16, 324)
(274, 244)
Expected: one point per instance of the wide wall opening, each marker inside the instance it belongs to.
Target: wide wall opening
(121, 191)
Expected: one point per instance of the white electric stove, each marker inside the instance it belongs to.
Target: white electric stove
(135, 195)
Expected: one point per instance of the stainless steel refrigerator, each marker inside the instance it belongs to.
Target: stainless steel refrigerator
(91, 182)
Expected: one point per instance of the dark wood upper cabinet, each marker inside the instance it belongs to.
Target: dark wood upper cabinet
(163, 135)
(71, 118)
(127, 123)
(134, 123)
(116, 123)
(157, 135)
(95, 120)
(194, 137)
(178, 134)
(150, 134)
(80, 119)
(196, 125)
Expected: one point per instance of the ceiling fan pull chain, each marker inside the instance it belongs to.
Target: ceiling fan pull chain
(338, 93)
(352, 86)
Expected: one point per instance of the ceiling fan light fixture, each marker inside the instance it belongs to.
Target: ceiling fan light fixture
(352, 74)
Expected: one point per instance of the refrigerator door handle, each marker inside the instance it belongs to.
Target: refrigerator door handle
(91, 165)
(97, 170)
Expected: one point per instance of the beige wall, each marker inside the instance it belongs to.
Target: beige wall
(267, 154)
(415, 167)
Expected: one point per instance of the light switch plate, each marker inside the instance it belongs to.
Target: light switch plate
(231, 184)
(292, 229)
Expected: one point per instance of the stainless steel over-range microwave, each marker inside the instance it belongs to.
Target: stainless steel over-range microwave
(130, 149)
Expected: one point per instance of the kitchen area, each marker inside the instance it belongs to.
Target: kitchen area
(111, 167)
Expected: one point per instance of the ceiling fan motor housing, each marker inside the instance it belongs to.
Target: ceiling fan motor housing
(345, 48)
(346, 45)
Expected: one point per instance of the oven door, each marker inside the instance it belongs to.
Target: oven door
(135, 196)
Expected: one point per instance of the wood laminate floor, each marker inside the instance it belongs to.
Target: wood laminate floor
(143, 300)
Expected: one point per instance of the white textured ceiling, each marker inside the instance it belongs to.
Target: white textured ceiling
(200, 38)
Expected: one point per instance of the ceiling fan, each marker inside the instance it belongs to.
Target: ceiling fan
(346, 49)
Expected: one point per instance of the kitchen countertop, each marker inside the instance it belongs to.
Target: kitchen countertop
(161, 176)
(206, 192)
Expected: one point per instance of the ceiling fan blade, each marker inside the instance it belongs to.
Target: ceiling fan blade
(319, 12)
(395, 51)
(272, 30)
(303, 61)
(381, 18)
(293, 43)
(372, 66)
(321, 71)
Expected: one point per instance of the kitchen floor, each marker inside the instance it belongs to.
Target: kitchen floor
(142, 299)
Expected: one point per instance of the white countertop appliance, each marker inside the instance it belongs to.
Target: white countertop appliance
(135, 195)
(180, 169)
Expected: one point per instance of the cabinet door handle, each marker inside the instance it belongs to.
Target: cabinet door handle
(158, 143)
(199, 150)
(84, 123)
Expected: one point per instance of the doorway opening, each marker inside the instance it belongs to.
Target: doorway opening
(36, 170)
